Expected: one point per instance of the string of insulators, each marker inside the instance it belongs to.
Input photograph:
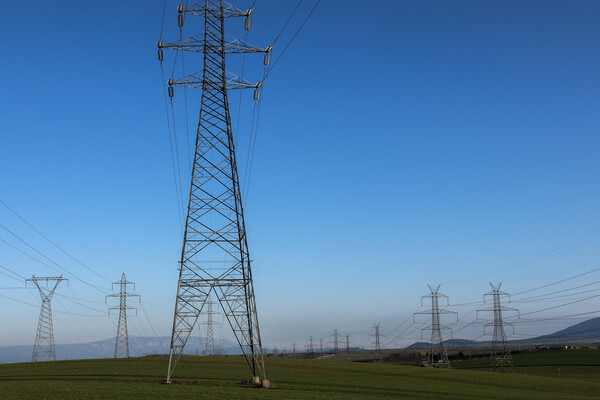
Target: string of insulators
(159, 44)
(267, 57)
(170, 82)
(256, 95)
(180, 16)
(247, 21)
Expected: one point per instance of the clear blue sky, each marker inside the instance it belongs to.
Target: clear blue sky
(400, 143)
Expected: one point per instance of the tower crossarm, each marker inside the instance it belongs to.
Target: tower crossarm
(496, 323)
(213, 6)
(430, 312)
(431, 328)
(197, 81)
(117, 308)
(197, 44)
(498, 308)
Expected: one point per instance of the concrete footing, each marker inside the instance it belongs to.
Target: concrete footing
(256, 380)
(266, 384)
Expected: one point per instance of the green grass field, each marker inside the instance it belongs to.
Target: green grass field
(573, 364)
(221, 377)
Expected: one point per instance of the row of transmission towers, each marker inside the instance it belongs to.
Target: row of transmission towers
(43, 348)
(500, 354)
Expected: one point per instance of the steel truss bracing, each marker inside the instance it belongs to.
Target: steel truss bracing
(335, 344)
(209, 344)
(43, 348)
(377, 342)
(501, 359)
(215, 261)
(437, 355)
(122, 338)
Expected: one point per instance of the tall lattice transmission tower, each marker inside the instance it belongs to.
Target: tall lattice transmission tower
(215, 258)
(209, 344)
(336, 347)
(43, 348)
(377, 342)
(437, 354)
(347, 346)
(122, 338)
(501, 359)
(310, 346)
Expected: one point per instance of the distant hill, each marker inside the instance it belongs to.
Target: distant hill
(586, 331)
(448, 343)
(583, 332)
(138, 346)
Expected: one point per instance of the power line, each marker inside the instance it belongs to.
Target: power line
(292, 39)
(286, 23)
(568, 316)
(148, 319)
(562, 305)
(555, 251)
(560, 281)
(56, 220)
(559, 291)
(51, 242)
(62, 269)
(20, 277)
(179, 201)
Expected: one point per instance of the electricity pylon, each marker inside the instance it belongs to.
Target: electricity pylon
(43, 348)
(377, 342)
(501, 359)
(437, 355)
(215, 257)
(122, 338)
(209, 345)
(335, 344)
(347, 346)
(310, 347)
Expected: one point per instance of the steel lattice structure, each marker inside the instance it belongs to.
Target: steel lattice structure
(122, 338)
(501, 359)
(377, 342)
(437, 355)
(347, 346)
(209, 344)
(43, 348)
(335, 344)
(215, 260)
(310, 347)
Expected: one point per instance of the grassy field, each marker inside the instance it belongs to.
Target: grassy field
(220, 378)
(573, 364)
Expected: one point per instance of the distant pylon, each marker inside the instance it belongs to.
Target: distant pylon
(321, 346)
(43, 348)
(501, 359)
(377, 344)
(294, 349)
(122, 338)
(437, 355)
(336, 347)
(310, 346)
(347, 346)
(209, 345)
